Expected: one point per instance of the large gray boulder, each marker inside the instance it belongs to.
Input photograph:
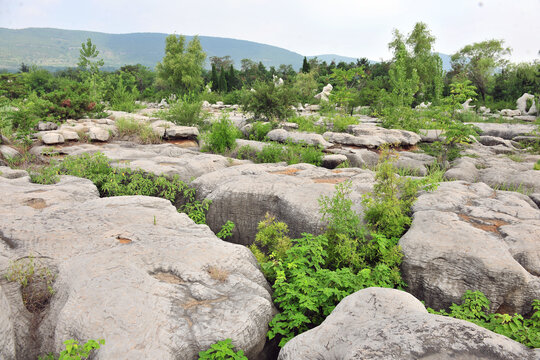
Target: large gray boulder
(470, 237)
(372, 136)
(134, 271)
(521, 103)
(244, 194)
(505, 130)
(281, 135)
(7, 333)
(388, 324)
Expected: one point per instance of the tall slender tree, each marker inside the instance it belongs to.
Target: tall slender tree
(305, 66)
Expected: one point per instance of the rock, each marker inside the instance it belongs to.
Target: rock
(466, 105)
(494, 140)
(4, 140)
(416, 163)
(98, 134)
(431, 135)
(70, 135)
(244, 194)
(8, 349)
(509, 112)
(163, 104)
(288, 126)
(277, 81)
(526, 139)
(8, 151)
(325, 93)
(181, 132)
(535, 198)
(372, 136)
(423, 105)
(530, 118)
(161, 159)
(46, 126)
(505, 131)
(463, 168)
(9, 173)
(378, 323)
(281, 135)
(255, 145)
(484, 110)
(469, 237)
(333, 161)
(205, 104)
(360, 158)
(312, 108)
(52, 138)
(521, 102)
(134, 271)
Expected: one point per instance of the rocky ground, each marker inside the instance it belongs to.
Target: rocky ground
(154, 284)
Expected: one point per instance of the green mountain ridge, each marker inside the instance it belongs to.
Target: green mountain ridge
(57, 48)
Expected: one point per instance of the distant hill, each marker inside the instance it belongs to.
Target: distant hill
(57, 48)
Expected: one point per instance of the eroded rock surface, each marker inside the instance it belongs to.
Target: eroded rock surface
(377, 323)
(470, 237)
(133, 271)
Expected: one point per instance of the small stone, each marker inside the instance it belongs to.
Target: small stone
(98, 134)
(47, 126)
(52, 138)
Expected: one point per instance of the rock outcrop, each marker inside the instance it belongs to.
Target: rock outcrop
(377, 323)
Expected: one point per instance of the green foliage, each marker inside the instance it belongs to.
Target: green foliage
(387, 208)
(181, 67)
(537, 165)
(305, 87)
(341, 123)
(45, 175)
(259, 130)
(269, 100)
(222, 136)
(226, 230)
(338, 214)
(475, 307)
(222, 350)
(186, 111)
(404, 84)
(123, 98)
(142, 130)
(88, 57)
(307, 124)
(74, 351)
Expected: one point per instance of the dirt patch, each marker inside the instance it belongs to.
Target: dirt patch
(195, 303)
(36, 203)
(491, 225)
(168, 278)
(291, 172)
(336, 171)
(335, 180)
(124, 240)
(183, 143)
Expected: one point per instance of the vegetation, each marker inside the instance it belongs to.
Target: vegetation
(222, 350)
(142, 130)
(222, 136)
(475, 307)
(74, 351)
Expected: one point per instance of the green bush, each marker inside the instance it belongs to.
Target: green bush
(537, 165)
(341, 123)
(142, 130)
(74, 351)
(475, 307)
(307, 123)
(271, 153)
(222, 136)
(186, 111)
(259, 130)
(268, 100)
(123, 98)
(222, 350)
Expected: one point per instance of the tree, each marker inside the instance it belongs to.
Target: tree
(214, 79)
(232, 82)
(221, 61)
(88, 57)
(222, 81)
(478, 62)
(403, 86)
(305, 66)
(24, 68)
(181, 67)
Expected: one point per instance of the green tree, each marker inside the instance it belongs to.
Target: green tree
(305, 66)
(232, 82)
(478, 62)
(403, 85)
(214, 79)
(222, 81)
(88, 57)
(181, 67)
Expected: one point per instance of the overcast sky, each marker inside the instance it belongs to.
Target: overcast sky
(355, 28)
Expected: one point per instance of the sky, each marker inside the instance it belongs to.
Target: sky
(355, 28)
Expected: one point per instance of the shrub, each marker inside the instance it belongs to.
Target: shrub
(341, 123)
(186, 111)
(222, 350)
(74, 351)
(537, 165)
(123, 99)
(270, 154)
(222, 135)
(268, 100)
(307, 123)
(259, 130)
(475, 307)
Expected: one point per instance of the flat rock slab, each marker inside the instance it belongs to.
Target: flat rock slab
(244, 194)
(505, 131)
(470, 237)
(372, 136)
(281, 135)
(133, 271)
(161, 159)
(377, 323)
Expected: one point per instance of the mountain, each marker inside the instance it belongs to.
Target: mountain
(56, 48)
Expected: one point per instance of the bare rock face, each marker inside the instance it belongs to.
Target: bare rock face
(372, 136)
(387, 324)
(505, 131)
(521, 103)
(98, 134)
(52, 138)
(7, 333)
(470, 237)
(281, 135)
(130, 270)
(244, 194)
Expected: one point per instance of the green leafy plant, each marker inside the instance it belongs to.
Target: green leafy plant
(475, 307)
(74, 351)
(537, 165)
(259, 130)
(186, 111)
(226, 230)
(222, 136)
(222, 350)
(142, 130)
(269, 100)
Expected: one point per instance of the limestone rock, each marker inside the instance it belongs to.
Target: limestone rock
(281, 135)
(244, 194)
(470, 237)
(52, 138)
(333, 161)
(510, 112)
(387, 324)
(521, 102)
(46, 126)
(325, 93)
(8, 349)
(466, 105)
(505, 131)
(9, 173)
(8, 151)
(181, 132)
(98, 134)
(371, 136)
(134, 271)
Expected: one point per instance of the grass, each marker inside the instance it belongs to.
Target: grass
(516, 188)
(140, 129)
(515, 157)
(537, 165)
